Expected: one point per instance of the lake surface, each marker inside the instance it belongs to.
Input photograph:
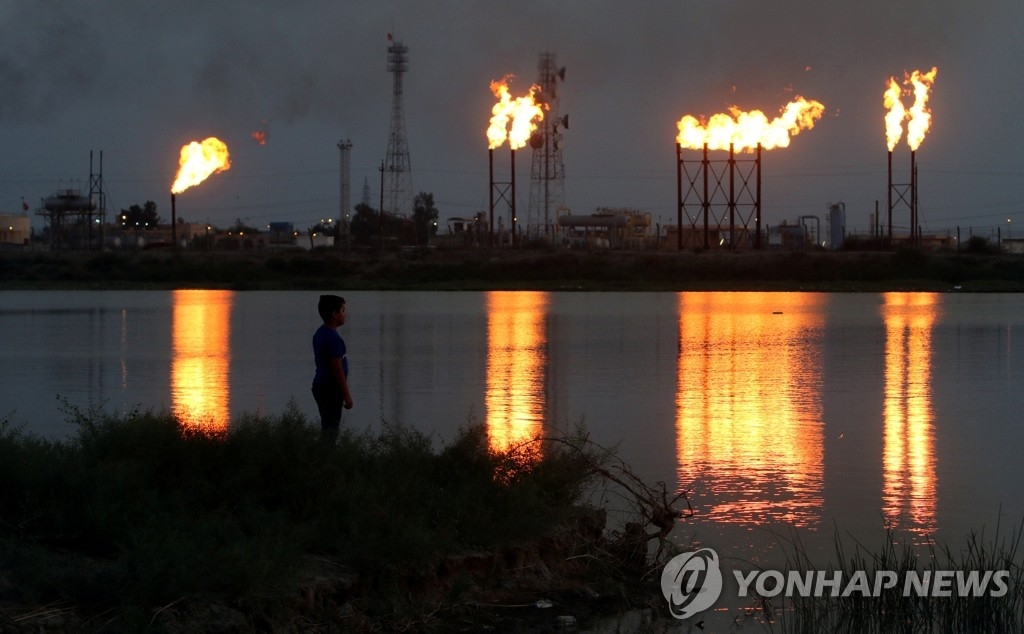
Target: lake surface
(773, 410)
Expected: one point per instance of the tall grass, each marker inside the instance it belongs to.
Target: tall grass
(895, 610)
(140, 510)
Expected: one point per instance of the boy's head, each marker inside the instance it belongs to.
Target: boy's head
(328, 305)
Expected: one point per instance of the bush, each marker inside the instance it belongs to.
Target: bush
(140, 510)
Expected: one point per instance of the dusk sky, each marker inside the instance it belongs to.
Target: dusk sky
(137, 80)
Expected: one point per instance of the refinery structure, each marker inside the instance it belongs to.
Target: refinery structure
(76, 218)
(718, 186)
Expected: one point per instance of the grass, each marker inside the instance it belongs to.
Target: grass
(895, 610)
(136, 512)
(135, 516)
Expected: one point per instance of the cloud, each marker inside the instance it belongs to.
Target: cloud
(139, 78)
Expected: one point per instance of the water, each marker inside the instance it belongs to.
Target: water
(773, 410)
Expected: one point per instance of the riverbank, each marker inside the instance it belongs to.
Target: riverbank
(526, 269)
(141, 523)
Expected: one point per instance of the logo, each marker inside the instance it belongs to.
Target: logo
(691, 582)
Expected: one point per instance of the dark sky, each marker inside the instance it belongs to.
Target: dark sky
(137, 80)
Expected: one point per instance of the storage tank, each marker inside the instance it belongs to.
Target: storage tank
(836, 225)
(69, 201)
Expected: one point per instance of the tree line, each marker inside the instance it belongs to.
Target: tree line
(366, 227)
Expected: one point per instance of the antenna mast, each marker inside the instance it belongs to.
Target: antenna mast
(398, 198)
(547, 178)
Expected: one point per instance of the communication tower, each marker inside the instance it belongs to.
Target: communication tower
(397, 175)
(547, 177)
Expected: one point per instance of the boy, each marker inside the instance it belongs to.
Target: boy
(330, 383)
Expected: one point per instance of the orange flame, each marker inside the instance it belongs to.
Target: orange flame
(894, 115)
(513, 119)
(198, 161)
(744, 131)
(260, 136)
(918, 116)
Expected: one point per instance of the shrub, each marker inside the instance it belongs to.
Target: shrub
(141, 509)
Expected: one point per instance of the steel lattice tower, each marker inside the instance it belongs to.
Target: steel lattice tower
(345, 195)
(397, 186)
(97, 193)
(345, 178)
(547, 177)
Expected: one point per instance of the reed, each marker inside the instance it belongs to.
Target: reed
(896, 611)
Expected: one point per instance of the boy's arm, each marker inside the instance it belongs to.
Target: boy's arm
(339, 376)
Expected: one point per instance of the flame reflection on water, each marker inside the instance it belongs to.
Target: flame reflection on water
(201, 357)
(909, 482)
(750, 435)
(517, 359)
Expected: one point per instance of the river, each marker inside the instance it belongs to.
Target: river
(775, 412)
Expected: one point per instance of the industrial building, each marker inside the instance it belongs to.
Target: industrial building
(15, 231)
(607, 228)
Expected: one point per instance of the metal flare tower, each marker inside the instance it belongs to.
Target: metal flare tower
(904, 196)
(547, 176)
(725, 192)
(397, 172)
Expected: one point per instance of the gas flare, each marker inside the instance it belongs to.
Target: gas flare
(895, 113)
(198, 161)
(513, 119)
(918, 116)
(744, 131)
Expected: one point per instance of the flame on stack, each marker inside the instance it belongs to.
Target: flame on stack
(513, 119)
(745, 131)
(197, 162)
(918, 116)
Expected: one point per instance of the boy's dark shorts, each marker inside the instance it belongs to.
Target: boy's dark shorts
(330, 401)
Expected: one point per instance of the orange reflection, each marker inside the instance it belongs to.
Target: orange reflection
(201, 327)
(909, 483)
(749, 414)
(516, 366)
